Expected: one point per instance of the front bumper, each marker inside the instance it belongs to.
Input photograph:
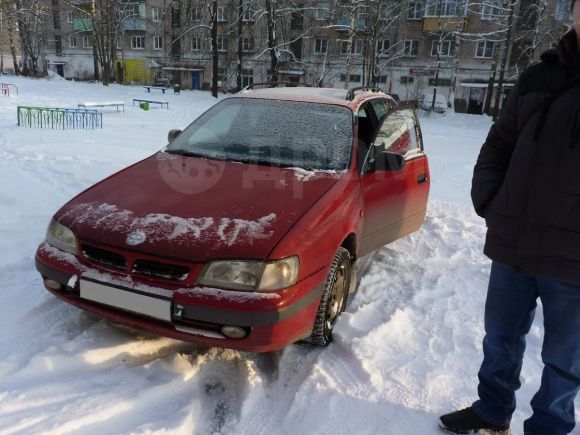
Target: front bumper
(271, 320)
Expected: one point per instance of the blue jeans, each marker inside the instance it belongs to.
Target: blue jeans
(509, 312)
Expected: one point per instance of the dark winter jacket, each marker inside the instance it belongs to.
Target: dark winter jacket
(526, 182)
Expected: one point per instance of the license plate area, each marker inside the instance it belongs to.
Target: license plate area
(126, 299)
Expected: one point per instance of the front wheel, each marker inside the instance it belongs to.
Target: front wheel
(333, 300)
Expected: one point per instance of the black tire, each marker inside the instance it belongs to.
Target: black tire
(333, 300)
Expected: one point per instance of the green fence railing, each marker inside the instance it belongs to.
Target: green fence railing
(59, 118)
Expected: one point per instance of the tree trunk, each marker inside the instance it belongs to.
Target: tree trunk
(214, 78)
(272, 41)
(240, 45)
(504, 61)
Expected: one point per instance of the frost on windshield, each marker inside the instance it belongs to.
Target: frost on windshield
(271, 132)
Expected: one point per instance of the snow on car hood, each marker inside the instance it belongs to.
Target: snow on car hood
(195, 209)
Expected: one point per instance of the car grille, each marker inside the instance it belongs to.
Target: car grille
(150, 268)
(160, 270)
(104, 257)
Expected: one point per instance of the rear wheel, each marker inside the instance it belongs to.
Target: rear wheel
(333, 300)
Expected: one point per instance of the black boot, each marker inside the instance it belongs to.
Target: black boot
(468, 421)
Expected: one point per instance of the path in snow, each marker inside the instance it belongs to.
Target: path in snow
(407, 349)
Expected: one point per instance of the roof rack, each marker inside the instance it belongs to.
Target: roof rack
(275, 85)
(351, 91)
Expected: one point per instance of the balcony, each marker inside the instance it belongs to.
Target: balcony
(83, 24)
(444, 24)
(133, 24)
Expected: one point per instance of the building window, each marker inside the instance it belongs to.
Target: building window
(411, 48)
(357, 47)
(296, 49)
(490, 9)
(132, 11)
(58, 45)
(72, 41)
(440, 82)
(383, 46)
(407, 80)
(137, 42)
(321, 46)
(247, 44)
(353, 78)
(416, 10)
(195, 14)
(484, 49)
(447, 48)
(69, 17)
(441, 8)
(158, 42)
(297, 20)
(382, 79)
(323, 11)
(156, 14)
(119, 43)
(249, 13)
(247, 77)
(222, 43)
(87, 41)
(195, 44)
(221, 14)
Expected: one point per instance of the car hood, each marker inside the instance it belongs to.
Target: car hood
(195, 209)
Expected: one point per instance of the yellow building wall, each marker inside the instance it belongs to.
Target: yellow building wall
(136, 71)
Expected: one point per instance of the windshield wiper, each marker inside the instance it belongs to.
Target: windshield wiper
(187, 153)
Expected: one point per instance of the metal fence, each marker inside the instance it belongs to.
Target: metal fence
(58, 118)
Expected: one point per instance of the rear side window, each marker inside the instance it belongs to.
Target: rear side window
(380, 107)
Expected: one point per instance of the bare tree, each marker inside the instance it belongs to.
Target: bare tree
(30, 17)
(104, 18)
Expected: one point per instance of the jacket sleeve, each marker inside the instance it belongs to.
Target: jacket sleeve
(495, 154)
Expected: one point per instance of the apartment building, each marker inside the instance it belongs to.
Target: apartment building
(400, 46)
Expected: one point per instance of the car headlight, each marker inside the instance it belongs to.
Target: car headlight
(61, 237)
(251, 275)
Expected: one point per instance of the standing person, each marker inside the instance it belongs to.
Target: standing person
(526, 184)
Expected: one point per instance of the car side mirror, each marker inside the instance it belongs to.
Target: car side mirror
(173, 134)
(388, 161)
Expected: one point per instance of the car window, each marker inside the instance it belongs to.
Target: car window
(399, 133)
(271, 132)
(380, 107)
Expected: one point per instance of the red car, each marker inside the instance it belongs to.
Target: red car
(243, 232)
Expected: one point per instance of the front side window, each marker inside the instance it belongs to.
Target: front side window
(398, 133)
(271, 132)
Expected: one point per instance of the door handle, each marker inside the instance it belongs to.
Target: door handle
(422, 178)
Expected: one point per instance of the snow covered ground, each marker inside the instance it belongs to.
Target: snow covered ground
(407, 350)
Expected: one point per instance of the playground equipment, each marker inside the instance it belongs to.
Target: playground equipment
(59, 118)
(5, 89)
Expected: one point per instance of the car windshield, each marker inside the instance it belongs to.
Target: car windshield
(271, 132)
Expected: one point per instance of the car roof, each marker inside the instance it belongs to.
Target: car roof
(313, 95)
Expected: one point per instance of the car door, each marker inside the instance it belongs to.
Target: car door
(395, 199)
